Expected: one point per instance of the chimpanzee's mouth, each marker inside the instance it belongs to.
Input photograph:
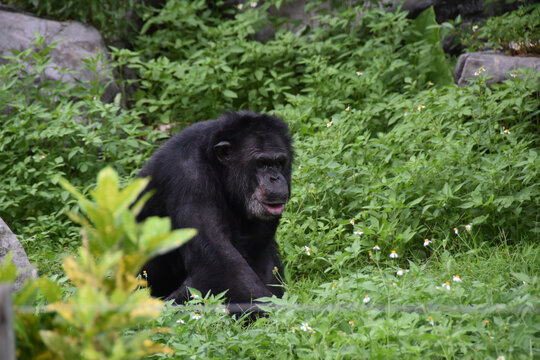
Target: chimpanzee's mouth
(274, 209)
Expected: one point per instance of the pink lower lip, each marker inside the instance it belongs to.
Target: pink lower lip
(274, 209)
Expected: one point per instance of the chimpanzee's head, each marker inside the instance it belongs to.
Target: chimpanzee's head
(256, 160)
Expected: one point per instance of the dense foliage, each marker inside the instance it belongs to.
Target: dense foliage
(391, 158)
(517, 33)
(54, 128)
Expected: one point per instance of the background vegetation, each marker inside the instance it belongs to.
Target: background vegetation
(391, 156)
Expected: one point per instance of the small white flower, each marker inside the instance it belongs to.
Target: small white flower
(500, 357)
(347, 108)
(194, 296)
(514, 75)
(358, 232)
(420, 107)
(329, 124)
(43, 156)
(405, 113)
(446, 285)
(468, 227)
(253, 4)
(399, 272)
(430, 83)
(308, 250)
(376, 247)
(305, 327)
(366, 299)
(427, 242)
(456, 231)
(474, 28)
(239, 6)
(180, 321)
(482, 69)
(430, 321)
(352, 221)
(196, 316)
(505, 131)
(359, 73)
(476, 73)
(393, 254)
(456, 278)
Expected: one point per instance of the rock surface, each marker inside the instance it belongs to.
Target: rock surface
(9, 242)
(498, 66)
(76, 42)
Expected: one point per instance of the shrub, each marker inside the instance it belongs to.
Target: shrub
(109, 298)
(517, 32)
(56, 128)
(454, 156)
(195, 64)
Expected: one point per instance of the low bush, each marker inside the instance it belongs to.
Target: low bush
(108, 299)
(464, 158)
(52, 128)
(514, 33)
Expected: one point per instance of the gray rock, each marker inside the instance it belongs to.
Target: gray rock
(77, 42)
(497, 65)
(9, 242)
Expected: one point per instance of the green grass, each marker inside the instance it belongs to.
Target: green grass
(493, 311)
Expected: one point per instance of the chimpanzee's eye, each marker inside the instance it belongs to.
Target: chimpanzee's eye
(262, 163)
(281, 163)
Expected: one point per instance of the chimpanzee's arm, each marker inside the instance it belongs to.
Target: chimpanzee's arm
(213, 263)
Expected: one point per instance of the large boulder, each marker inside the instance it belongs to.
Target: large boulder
(9, 242)
(76, 42)
(499, 66)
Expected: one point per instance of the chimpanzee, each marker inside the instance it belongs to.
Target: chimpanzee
(230, 179)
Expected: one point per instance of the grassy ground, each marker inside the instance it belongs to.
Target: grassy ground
(491, 310)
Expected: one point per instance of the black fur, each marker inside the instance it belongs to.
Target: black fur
(229, 178)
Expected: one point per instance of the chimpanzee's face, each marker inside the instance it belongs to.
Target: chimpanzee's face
(258, 174)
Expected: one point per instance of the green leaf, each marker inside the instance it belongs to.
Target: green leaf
(230, 94)
(8, 270)
(425, 28)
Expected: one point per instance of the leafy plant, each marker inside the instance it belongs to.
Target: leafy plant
(52, 128)
(517, 32)
(108, 298)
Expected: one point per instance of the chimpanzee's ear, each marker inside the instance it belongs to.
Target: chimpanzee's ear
(223, 151)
